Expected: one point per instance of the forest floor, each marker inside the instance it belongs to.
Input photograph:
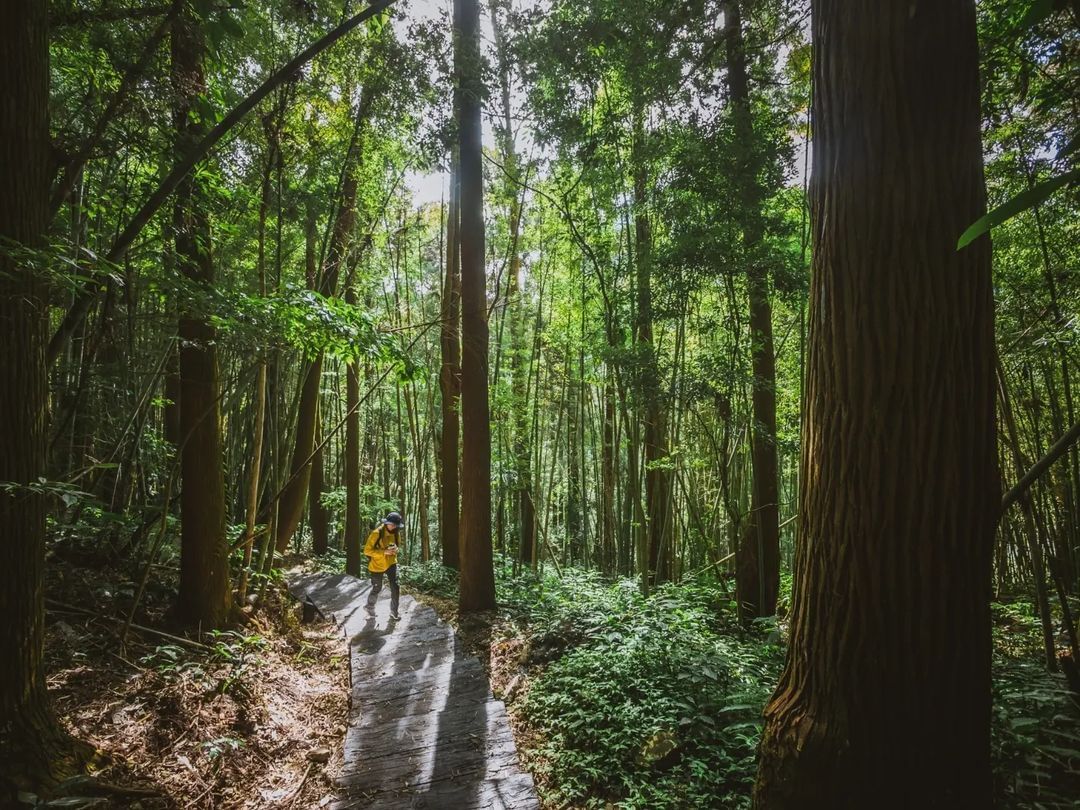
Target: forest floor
(256, 717)
(251, 718)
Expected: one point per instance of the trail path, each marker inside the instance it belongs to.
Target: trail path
(424, 730)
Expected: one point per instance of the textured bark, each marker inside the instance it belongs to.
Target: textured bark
(477, 566)
(450, 387)
(758, 557)
(885, 698)
(33, 751)
(204, 599)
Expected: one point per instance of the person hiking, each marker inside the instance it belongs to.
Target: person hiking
(381, 549)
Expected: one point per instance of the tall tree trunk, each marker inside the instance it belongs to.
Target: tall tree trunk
(291, 503)
(205, 598)
(353, 558)
(657, 478)
(609, 557)
(521, 432)
(34, 752)
(477, 566)
(450, 385)
(885, 697)
(758, 568)
(317, 514)
(252, 509)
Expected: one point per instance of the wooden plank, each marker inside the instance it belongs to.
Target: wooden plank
(396, 654)
(462, 763)
(460, 683)
(424, 730)
(512, 792)
(416, 731)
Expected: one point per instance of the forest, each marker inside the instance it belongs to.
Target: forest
(718, 356)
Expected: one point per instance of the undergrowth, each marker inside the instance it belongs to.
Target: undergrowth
(647, 702)
(655, 702)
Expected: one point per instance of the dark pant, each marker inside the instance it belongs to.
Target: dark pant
(376, 586)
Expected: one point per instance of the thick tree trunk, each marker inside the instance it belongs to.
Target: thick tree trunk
(758, 566)
(450, 387)
(885, 698)
(205, 598)
(34, 752)
(477, 589)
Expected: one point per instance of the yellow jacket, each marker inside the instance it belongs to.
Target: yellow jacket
(374, 549)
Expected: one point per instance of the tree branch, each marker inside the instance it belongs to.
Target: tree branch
(1061, 446)
(88, 293)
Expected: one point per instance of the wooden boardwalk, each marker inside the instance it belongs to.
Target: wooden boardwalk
(424, 730)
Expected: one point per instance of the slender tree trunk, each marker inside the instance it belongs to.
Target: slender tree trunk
(521, 449)
(317, 514)
(353, 557)
(885, 698)
(205, 598)
(450, 386)
(34, 752)
(1031, 533)
(609, 556)
(758, 580)
(477, 589)
(657, 478)
(292, 501)
(260, 382)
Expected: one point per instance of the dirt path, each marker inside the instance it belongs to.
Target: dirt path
(424, 730)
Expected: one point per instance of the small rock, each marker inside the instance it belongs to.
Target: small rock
(319, 755)
(512, 688)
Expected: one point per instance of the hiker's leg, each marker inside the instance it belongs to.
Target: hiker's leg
(376, 586)
(395, 591)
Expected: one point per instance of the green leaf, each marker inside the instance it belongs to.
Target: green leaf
(232, 25)
(1018, 204)
(1038, 11)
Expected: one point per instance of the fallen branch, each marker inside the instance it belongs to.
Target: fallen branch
(148, 630)
(298, 788)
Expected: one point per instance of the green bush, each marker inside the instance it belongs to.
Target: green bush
(1036, 739)
(653, 707)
